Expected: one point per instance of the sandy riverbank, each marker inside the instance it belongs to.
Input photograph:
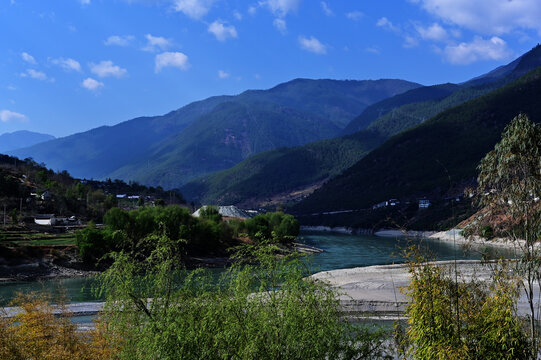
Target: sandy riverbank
(374, 291)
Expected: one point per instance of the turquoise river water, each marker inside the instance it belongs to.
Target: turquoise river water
(340, 251)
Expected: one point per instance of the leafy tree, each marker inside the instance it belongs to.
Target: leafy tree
(264, 311)
(37, 333)
(509, 188)
(462, 320)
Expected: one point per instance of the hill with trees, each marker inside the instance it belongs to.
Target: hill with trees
(287, 175)
(436, 159)
(144, 148)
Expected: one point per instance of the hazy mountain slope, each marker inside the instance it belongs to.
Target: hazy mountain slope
(416, 162)
(20, 139)
(206, 145)
(128, 149)
(336, 100)
(375, 111)
(417, 105)
(280, 172)
(98, 152)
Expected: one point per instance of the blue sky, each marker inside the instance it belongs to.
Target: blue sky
(72, 65)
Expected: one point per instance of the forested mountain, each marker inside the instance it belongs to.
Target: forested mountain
(435, 159)
(21, 139)
(154, 150)
(285, 175)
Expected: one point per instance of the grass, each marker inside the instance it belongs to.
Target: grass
(38, 238)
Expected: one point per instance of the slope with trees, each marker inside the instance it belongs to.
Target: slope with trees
(436, 159)
(100, 152)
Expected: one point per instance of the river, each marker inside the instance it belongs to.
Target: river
(339, 251)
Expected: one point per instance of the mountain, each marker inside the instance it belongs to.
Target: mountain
(214, 133)
(417, 105)
(288, 175)
(281, 175)
(435, 159)
(21, 139)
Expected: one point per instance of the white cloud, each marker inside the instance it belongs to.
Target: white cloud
(237, 15)
(171, 59)
(433, 32)
(373, 50)
(195, 9)
(354, 15)
(222, 74)
(281, 7)
(252, 10)
(221, 31)
(106, 68)
(326, 9)
(34, 74)
(312, 44)
(6, 115)
(119, 40)
(479, 49)
(156, 43)
(67, 64)
(387, 24)
(28, 58)
(487, 16)
(281, 25)
(84, 2)
(91, 84)
(410, 42)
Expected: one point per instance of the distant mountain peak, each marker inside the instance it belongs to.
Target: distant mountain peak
(22, 138)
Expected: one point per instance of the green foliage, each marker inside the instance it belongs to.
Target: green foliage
(275, 226)
(282, 170)
(412, 164)
(462, 320)
(210, 213)
(91, 243)
(509, 189)
(263, 311)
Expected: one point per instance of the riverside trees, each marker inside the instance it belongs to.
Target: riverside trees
(509, 188)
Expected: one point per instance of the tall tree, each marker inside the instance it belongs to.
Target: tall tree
(509, 189)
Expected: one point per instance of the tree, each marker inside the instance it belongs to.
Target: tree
(264, 311)
(509, 187)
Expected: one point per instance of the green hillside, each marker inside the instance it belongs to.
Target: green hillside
(288, 175)
(206, 145)
(150, 149)
(435, 159)
(262, 177)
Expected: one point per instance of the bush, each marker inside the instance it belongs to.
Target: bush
(241, 316)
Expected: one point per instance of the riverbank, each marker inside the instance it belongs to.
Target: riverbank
(374, 291)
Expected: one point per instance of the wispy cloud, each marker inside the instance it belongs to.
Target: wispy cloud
(326, 9)
(479, 49)
(35, 74)
(195, 9)
(281, 25)
(68, 64)
(156, 43)
(312, 44)
(106, 69)
(119, 40)
(7, 115)
(354, 15)
(387, 24)
(28, 58)
(222, 74)
(222, 31)
(487, 16)
(92, 84)
(171, 59)
(433, 32)
(281, 7)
